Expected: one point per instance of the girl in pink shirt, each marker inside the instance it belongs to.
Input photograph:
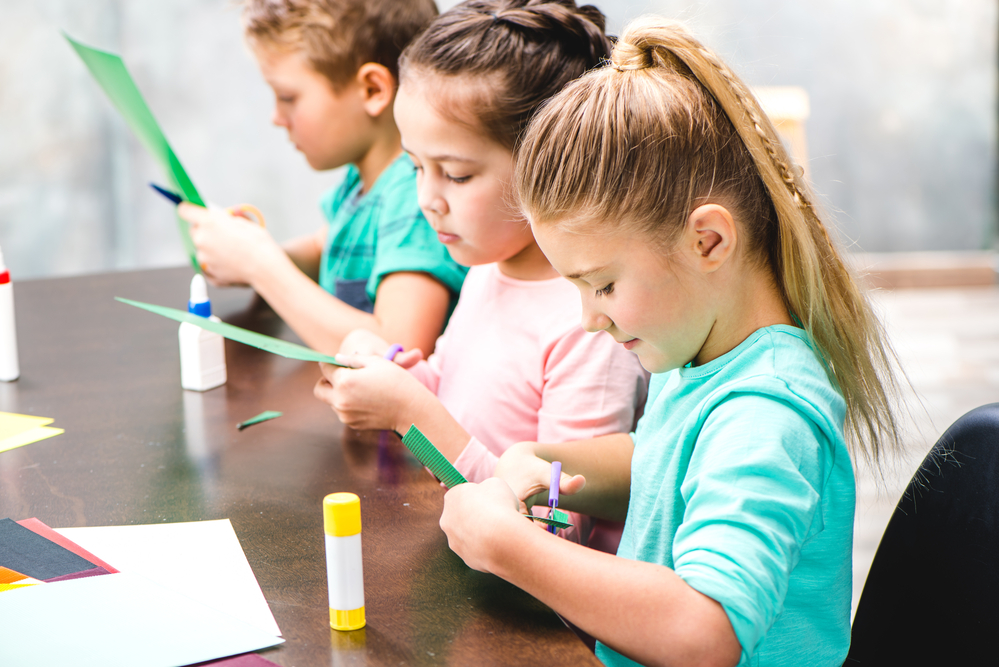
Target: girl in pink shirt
(514, 363)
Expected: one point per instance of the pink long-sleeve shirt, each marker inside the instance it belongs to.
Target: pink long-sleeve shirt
(514, 364)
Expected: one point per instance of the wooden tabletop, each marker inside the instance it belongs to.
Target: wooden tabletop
(138, 449)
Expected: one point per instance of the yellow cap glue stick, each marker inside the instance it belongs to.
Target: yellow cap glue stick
(342, 524)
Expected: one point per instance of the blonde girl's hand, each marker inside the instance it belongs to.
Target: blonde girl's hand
(373, 393)
(529, 475)
(230, 249)
(477, 514)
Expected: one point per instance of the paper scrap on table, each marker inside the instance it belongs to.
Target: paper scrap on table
(19, 430)
(431, 457)
(232, 332)
(31, 554)
(214, 568)
(262, 417)
(110, 72)
(119, 620)
(36, 526)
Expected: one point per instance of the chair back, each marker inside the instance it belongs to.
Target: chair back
(932, 594)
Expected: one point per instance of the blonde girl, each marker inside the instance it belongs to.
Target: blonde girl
(658, 186)
(514, 363)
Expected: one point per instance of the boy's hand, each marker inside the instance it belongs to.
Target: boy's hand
(231, 249)
(529, 476)
(475, 515)
(373, 393)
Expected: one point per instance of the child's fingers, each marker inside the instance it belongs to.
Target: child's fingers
(409, 358)
(571, 484)
(351, 360)
(323, 390)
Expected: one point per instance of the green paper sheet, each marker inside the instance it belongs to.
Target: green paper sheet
(110, 72)
(251, 338)
(431, 457)
(262, 417)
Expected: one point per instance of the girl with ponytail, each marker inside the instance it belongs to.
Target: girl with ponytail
(657, 185)
(514, 363)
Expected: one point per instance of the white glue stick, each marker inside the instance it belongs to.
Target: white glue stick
(202, 353)
(342, 524)
(9, 368)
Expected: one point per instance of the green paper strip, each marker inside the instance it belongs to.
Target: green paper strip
(251, 338)
(262, 417)
(110, 72)
(432, 458)
(559, 519)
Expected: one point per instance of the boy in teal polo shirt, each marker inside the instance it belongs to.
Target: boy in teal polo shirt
(377, 265)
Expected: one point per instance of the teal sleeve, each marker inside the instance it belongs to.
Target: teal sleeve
(752, 498)
(407, 242)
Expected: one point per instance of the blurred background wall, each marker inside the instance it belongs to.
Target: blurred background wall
(901, 137)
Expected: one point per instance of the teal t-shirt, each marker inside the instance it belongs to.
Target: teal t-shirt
(742, 484)
(379, 232)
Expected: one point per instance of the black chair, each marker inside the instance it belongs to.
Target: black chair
(932, 595)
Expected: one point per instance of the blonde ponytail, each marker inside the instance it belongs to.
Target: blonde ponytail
(650, 136)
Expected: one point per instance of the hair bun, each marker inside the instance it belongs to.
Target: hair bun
(627, 56)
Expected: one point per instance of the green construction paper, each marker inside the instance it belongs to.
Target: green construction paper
(262, 417)
(110, 72)
(251, 338)
(432, 458)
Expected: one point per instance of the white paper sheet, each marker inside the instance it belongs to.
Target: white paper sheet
(199, 559)
(116, 620)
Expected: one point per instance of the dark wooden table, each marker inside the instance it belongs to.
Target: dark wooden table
(138, 449)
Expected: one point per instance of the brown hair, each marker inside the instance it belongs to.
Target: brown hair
(666, 127)
(524, 50)
(338, 36)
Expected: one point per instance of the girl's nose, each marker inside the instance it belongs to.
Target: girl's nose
(594, 320)
(428, 198)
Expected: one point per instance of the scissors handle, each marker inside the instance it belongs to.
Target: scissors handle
(248, 211)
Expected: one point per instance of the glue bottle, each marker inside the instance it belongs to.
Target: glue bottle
(9, 369)
(202, 353)
(342, 525)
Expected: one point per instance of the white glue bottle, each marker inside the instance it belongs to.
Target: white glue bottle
(9, 368)
(202, 353)
(342, 525)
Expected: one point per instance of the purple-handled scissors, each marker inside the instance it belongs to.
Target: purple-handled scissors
(553, 492)
(392, 351)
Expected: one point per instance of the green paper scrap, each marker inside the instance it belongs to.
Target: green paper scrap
(262, 417)
(559, 519)
(251, 338)
(431, 457)
(110, 72)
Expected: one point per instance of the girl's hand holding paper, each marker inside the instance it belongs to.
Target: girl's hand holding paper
(364, 342)
(373, 393)
(230, 247)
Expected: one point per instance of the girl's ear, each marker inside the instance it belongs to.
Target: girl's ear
(377, 87)
(711, 236)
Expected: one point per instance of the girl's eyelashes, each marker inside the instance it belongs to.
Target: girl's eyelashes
(457, 179)
(604, 291)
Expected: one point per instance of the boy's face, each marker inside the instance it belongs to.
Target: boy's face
(330, 128)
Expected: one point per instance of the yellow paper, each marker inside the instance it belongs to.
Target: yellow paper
(26, 437)
(13, 424)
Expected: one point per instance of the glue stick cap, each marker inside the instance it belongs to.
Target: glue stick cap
(198, 303)
(342, 514)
